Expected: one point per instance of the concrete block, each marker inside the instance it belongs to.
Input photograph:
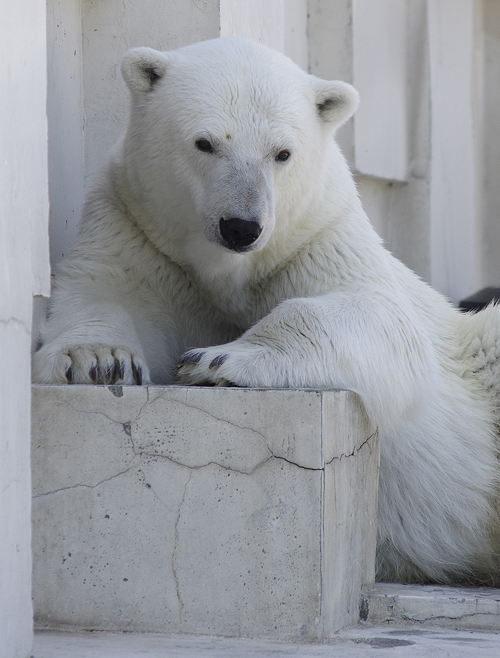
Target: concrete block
(218, 511)
(459, 608)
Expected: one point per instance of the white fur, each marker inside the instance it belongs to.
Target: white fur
(314, 301)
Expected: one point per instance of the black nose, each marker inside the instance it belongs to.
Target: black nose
(239, 233)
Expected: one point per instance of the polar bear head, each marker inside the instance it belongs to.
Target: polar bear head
(226, 140)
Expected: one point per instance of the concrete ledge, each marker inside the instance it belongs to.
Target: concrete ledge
(229, 512)
(475, 608)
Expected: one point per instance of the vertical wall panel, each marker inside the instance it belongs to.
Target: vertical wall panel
(490, 142)
(66, 122)
(454, 222)
(379, 74)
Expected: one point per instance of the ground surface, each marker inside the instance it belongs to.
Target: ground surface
(351, 643)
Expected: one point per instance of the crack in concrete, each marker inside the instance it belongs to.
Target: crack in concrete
(217, 418)
(102, 413)
(174, 554)
(89, 486)
(198, 467)
(355, 450)
(153, 455)
(127, 427)
(469, 615)
(145, 453)
(142, 478)
(336, 458)
(238, 427)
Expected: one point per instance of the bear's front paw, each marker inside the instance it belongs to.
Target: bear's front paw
(198, 368)
(236, 364)
(89, 364)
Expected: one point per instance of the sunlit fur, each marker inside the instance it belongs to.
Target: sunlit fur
(316, 300)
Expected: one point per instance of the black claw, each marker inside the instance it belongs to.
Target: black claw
(137, 374)
(108, 375)
(94, 374)
(69, 375)
(190, 358)
(114, 372)
(218, 361)
(121, 370)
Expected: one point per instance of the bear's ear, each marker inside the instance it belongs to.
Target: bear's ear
(335, 101)
(142, 68)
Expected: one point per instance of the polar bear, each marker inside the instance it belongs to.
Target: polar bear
(225, 243)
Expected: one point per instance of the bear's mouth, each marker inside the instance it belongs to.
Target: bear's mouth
(239, 234)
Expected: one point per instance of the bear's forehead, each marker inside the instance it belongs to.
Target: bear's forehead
(242, 92)
(237, 74)
(243, 110)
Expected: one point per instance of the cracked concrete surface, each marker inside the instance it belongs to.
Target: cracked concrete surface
(202, 510)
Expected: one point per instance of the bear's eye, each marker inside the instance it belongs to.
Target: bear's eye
(204, 145)
(282, 156)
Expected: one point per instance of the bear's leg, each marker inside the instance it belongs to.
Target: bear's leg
(357, 341)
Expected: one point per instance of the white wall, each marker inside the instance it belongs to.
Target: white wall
(379, 74)
(244, 18)
(455, 222)
(490, 140)
(296, 41)
(65, 121)
(24, 272)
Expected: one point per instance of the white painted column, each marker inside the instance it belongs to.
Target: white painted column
(454, 220)
(488, 27)
(379, 75)
(65, 121)
(24, 271)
